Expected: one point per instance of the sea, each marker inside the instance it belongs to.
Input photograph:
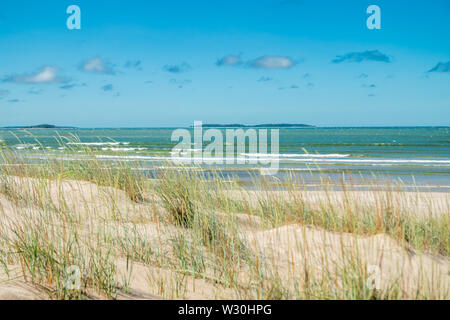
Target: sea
(415, 157)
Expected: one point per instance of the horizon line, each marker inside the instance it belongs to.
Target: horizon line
(224, 126)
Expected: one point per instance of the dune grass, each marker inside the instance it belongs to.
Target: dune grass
(200, 236)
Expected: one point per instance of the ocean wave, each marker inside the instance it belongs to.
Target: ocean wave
(24, 146)
(97, 143)
(248, 159)
(296, 155)
(123, 149)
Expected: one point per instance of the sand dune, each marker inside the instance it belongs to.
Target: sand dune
(295, 254)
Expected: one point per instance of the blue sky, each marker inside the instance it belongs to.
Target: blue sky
(168, 63)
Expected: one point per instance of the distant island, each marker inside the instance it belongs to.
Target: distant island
(266, 125)
(215, 125)
(40, 126)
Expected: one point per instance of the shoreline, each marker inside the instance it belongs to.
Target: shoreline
(309, 180)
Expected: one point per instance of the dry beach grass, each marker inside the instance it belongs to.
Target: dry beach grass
(187, 237)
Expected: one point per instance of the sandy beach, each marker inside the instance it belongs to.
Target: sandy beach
(136, 250)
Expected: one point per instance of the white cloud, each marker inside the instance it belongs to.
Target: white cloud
(97, 65)
(47, 74)
(272, 62)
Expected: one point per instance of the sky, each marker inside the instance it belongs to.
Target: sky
(154, 63)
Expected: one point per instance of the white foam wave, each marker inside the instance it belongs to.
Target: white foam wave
(273, 157)
(296, 155)
(97, 143)
(123, 149)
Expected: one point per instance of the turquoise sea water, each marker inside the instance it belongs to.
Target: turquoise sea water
(413, 155)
